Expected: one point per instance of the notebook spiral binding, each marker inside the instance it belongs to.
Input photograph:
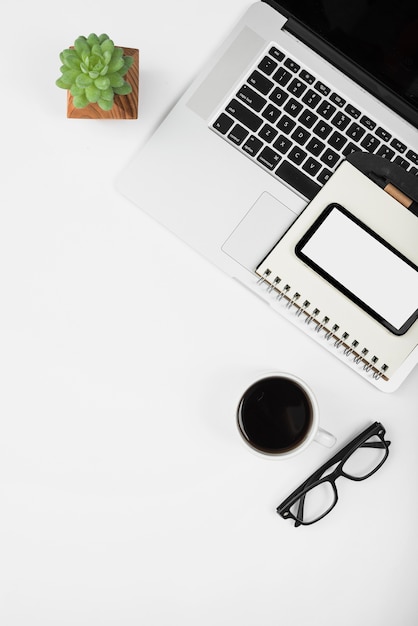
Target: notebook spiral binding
(351, 349)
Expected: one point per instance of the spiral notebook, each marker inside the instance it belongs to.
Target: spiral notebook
(346, 270)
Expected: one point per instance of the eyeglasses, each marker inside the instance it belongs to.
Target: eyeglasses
(318, 495)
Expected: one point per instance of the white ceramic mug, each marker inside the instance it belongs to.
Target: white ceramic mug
(278, 416)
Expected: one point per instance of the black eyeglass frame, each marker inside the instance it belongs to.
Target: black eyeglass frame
(317, 477)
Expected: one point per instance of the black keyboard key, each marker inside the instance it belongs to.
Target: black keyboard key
(314, 146)
(336, 99)
(293, 107)
(307, 77)
(278, 96)
(402, 162)
(269, 158)
(267, 65)
(413, 156)
(307, 118)
(300, 135)
(244, 115)
(311, 98)
(323, 89)
(370, 143)
(355, 131)
(340, 120)
(286, 124)
(238, 134)
(330, 158)
(268, 133)
(297, 155)
(324, 176)
(252, 145)
(298, 180)
(350, 148)
(337, 141)
(282, 144)
(271, 113)
(398, 145)
(291, 65)
(386, 152)
(351, 110)
(322, 129)
(277, 54)
(326, 109)
(251, 98)
(260, 82)
(223, 123)
(311, 166)
(296, 87)
(282, 76)
(383, 134)
(367, 122)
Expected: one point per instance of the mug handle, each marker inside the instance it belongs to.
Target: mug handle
(325, 438)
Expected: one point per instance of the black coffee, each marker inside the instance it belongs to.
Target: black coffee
(275, 415)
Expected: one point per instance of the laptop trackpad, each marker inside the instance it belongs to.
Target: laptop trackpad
(259, 230)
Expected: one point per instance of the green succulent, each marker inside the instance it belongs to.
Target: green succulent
(93, 71)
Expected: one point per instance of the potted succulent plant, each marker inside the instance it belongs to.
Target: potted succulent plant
(101, 79)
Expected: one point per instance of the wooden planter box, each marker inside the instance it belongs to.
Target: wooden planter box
(124, 107)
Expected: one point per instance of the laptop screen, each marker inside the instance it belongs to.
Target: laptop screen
(379, 36)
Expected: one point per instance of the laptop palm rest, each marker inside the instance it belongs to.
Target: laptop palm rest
(259, 230)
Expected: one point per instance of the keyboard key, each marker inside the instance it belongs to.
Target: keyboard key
(398, 145)
(326, 110)
(383, 134)
(370, 143)
(269, 158)
(311, 98)
(323, 89)
(337, 141)
(278, 96)
(297, 155)
(367, 122)
(244, 115)
(402, 162)
(300, 135)
(315, 147)
(238, 134)
(324, 176)
(307, 118)
(351, 110)
(311, 166)
(307, 77)
(296, 87)
(260, 82)
(282, 144)
(282, 76)
(386, 152)
(355, 132)
(251, 98)
(336, 99)
(271, 113)
(297, 179)
(330, 157)
(268, 133)
(413, 156)
(276, 53)
(350, 148)
(267, 66)
(340, 120)
(291, 65)
(223, 123)
(293, 107)
(322, 129)
(252, 145)
(286, 124)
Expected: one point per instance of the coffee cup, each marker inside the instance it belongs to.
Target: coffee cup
(278, 416)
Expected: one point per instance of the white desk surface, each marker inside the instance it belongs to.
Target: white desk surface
(126, 494)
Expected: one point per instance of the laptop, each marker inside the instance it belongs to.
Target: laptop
(295, 88)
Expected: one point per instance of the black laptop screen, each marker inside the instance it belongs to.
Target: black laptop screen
(380, 36)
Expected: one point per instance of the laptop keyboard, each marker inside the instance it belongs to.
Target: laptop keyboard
(297, 128)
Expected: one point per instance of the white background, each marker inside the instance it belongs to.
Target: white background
(126, 494)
